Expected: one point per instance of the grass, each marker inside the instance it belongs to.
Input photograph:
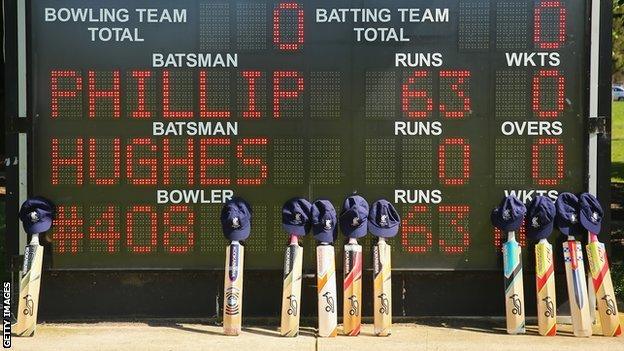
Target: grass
(617, 143)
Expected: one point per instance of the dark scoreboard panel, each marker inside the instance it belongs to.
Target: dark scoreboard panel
(148, 114)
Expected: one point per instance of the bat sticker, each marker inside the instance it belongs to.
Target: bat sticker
(610, 304)
(30, 305)
(232, 297)
(517, 304)
(384, 304)
(292, 309)
(550, 308)
(330, 302)
(354, 310)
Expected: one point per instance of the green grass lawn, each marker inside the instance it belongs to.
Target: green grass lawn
(617, 142)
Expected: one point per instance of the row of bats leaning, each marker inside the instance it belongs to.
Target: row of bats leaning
(573, 217)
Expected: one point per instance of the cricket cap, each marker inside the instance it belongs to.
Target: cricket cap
(296, 216)
(354, 217)
(383, 219)
(324, 221)
(36, 214)
(591, 213)
(540, 218)
(567, 219)
(236, 219)
(509, 214)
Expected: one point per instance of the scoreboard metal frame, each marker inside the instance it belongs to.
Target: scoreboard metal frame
(21, 170)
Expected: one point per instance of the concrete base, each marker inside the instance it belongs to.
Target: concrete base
(423, 334)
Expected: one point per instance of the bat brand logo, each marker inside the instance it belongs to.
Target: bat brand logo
(384, 220)
(611, 308)
(517, 309)
(329, 300)
(383, 299)
(232, 295)
(550, 307)
(292, 305)
(535, 222)
(376, 263)
(30, 305)
(235, 223)
(354, 310)
(328, 224)
(233, 271)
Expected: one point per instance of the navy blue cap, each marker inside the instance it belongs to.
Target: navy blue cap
(509, 214)
(36, 214)
(296, 216)
(591, 213)
(324, 221)
(567, 219)
(236, 219)
(354, 217)
(383, 219)
(540, 218)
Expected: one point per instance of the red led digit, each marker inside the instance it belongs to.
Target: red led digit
(277, 35)
(499, 239)
(560, 39)
(183, 229)
(67, 230)
(258, 163)
(459, 79)
(203, 109)
(538, 161)
(66, 164)
(106, 228)
(170, 161)
(57, 93)
(443, 165)
(167, 113)
(111, 94)
(141, 77)
(408, 95)
(279, 94)
(410, 228)
(209, 163)
(132, 226)
(144, 164)
(251, 77)
(460, 213)
(559, 93)
(95, 155)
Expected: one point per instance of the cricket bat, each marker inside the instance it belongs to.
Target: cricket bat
(514, 289)
(352, 285)
(233, 288)
(291, 295)
(382, 286)
(545, 284)
(29, 289)
(326, 287)
(577, 290)
(603, 286)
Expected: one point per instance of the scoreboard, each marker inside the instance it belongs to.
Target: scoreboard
(148, 115)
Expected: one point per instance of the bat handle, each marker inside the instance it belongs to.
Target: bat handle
(543, 241)
(381, 240)
(353, 241)
(294, 240)
(34, 239)
(235, 242)
(511, 236)
(592, 237)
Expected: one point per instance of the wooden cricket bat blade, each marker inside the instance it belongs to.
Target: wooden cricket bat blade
(514, 288)
(291, 295)
(352, 287)
(577, 288)
(326, 287)
(603, 286)
(29, 290)
(233, 289)
(545, 286)
(382, 289)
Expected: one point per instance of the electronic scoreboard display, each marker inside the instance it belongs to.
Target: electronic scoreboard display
(148, 115)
